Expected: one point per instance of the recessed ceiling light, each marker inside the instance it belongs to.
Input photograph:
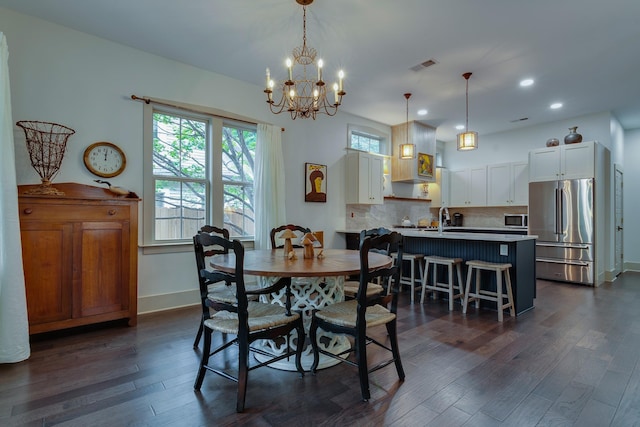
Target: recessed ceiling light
(423, 112)
(526, 82)
(555, 105)
(459, 127)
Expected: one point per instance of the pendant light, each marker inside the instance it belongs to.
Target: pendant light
(468, 140)
(407, 151)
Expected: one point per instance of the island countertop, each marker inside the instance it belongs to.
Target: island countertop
(456, 235)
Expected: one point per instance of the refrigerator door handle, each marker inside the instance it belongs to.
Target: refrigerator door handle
(563, 261)
(558, 211)
(563, 246)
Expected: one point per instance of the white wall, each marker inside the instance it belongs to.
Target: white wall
(631, 203)
(512, 146)
(64, 76)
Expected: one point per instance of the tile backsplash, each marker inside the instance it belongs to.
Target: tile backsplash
(391, 213)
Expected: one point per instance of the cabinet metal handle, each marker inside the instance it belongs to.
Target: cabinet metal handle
(112, 212)
(28, 211)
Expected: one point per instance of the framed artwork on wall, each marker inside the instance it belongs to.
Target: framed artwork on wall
(425, 165)
(315, 178)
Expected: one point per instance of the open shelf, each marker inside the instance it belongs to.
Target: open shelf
(410, 199)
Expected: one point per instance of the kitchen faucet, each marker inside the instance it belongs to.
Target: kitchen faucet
(440, 222)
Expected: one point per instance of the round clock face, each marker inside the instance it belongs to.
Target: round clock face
(104, 159)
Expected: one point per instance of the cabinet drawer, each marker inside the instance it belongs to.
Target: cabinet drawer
(38, 212)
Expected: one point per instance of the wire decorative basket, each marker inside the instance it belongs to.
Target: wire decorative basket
(46, 143)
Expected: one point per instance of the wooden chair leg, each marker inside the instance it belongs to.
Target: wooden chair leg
(450, 278)
(363, 371)
(467, 290)
(243, 372)
(204, 360)
(300, 345)
(512, 310)
(196, 342)
(500, 303)
(314, 343)
(395, 350)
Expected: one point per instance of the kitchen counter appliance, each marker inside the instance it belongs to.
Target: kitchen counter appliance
(561, 214)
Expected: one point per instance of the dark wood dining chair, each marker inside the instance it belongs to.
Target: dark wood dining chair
(375, 291)
(298, 229)
(249, 321)
(356, 317)
(212, 295)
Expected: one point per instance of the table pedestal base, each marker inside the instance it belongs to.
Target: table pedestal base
(308, 293)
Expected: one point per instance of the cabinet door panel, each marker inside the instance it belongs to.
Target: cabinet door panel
(46, 254)
(478, 187)
(544, 164)
(458, 188)
(101, 285)
(499, 183)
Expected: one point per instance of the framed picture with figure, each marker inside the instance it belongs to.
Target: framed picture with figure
(425, 165)
(315, 178)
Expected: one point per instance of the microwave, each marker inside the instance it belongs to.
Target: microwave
(516, 220)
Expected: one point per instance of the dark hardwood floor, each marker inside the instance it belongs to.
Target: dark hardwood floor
(573, 360)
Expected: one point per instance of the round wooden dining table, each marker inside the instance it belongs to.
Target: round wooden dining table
(316, 282)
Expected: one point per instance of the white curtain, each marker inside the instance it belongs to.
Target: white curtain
(269, 184)
(14, 326)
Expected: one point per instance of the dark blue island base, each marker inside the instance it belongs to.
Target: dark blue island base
(520, 253)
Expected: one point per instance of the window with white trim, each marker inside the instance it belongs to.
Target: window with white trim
(367, 139)
(200, 171)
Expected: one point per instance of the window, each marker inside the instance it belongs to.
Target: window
(367, 139)
(200, 170)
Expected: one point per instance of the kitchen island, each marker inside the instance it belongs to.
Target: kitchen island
(519, 250)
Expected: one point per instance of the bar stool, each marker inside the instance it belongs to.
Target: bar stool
(436, 286)
(498, 296)
(410, 279)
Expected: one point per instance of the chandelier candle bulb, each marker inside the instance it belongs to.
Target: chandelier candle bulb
(320, 63)
(340, 76)
(289, 64)
(268, 79)
(335, 92)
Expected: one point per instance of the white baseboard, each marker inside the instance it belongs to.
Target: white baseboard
(152, 303)
(632, 266)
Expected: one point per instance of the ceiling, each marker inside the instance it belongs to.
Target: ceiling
(583, 53)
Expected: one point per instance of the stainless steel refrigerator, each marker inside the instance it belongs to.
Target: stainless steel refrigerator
(561, 214)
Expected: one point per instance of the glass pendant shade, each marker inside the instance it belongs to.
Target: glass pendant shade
(407, 151)
(467, 141)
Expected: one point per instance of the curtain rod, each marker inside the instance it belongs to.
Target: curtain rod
(167, 104)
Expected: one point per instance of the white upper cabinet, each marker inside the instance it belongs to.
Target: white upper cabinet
(364, 178)
(408, 170)
(439, 191)
(569, 161)
(468, 187)
(508, 184)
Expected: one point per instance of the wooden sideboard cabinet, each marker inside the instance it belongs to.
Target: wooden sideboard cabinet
(80, 256)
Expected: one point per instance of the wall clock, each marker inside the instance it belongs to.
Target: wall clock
(104, 159)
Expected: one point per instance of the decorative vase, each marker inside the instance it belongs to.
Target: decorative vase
(552, 142)
(573, 137)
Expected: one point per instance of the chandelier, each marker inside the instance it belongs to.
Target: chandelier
(467, 140)
(306, 96)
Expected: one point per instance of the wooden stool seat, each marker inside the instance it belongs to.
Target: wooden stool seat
(498, 296)
(436, 286)
(411, 278)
